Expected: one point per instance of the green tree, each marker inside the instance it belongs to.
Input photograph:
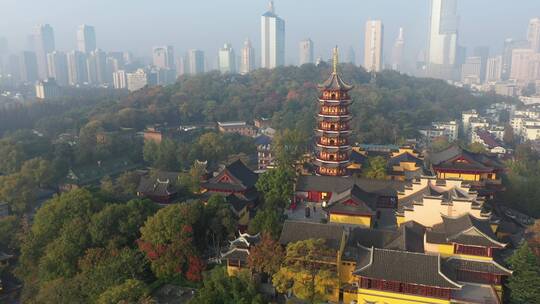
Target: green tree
(219, 221)
(477, 148)
(100, 269)
(267, 220)
(192, 179)
(509, 137)
(376, 168)
(306, 272)
(220, 288)
(524, 284)
(440, 144)
(277, 186)
(289, 145)
(131, 291)
(167, 240)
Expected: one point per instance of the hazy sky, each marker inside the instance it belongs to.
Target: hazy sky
(137, 25)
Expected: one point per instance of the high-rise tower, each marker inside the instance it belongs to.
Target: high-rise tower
(272, 39)
(397, 52)
(306, 52)
(44, 44)
(373, 45)
(443, 39)
(333, 148)
(533, 34)
(86, 38)
(247, 63)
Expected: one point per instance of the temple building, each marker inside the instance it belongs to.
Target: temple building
(382, 266)
(432, 199)
(482, 171)
(237, 253)
(236, 182)
(332, 145)
(402, 163)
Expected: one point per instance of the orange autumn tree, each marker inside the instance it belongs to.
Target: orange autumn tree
(266, 256)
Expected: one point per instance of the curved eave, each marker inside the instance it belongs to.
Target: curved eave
(344, 147)
(344, 117)
(342, 101)
(334, 132)
(331, 164)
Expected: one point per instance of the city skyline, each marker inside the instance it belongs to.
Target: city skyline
(174, 32)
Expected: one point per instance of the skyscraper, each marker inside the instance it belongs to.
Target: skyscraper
(77, 68)
(306, 51)
(443, 39)
(163, 57)
(397, 52)
(351, 56)
(533, 34)
(120, 79)
(272, 39)
(483, 53)
(86, 38)
(195, 62)
(58, 68)
(227, 59)
(471, 70)
(97, 68)
(373, 45)
(248, 58)
(509, 46)
(44, 44)
(28, 68)
(494, 69)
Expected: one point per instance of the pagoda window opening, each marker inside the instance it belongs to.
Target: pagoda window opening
(332, 142)
(331, 156)
(333, 96)
(332, 127)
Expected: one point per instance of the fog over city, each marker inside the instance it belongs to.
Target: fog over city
(137, 26)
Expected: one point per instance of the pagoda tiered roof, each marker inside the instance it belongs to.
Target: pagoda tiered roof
(335, 83)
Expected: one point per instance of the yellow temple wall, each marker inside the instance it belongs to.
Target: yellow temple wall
(349, 219)
(384, 297)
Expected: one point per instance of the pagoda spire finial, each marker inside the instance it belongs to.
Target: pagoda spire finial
(336, 59)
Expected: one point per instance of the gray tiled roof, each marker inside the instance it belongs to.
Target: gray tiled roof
(466, 230)
(301, 231)
(340, 184)
(405, 267)
(476, 266)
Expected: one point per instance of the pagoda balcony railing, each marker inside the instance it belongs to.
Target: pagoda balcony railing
(331, 172)
(333, 142)
(341, 97)
(332, 157)
(333, 127)
(334, 113)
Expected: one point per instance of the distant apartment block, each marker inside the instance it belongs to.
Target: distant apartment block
(449, 129)
(137, 80)
(240, 127)
(47, 89)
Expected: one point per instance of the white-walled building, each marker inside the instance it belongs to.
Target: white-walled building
(137, 80)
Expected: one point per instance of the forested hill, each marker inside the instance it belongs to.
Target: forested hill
(385, 111)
